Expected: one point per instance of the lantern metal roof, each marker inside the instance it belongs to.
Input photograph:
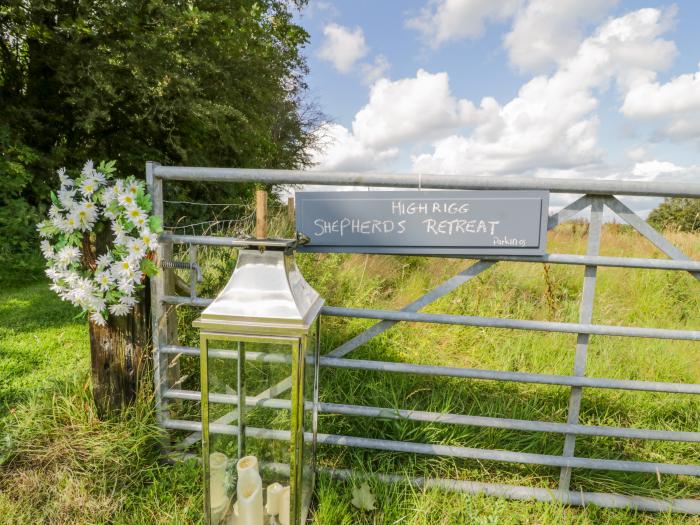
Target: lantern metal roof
(265, 294)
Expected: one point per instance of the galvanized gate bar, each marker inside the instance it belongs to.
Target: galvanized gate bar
(585, 317)
(516, 492)
(169, 353)
(647, 231)
(507, 456)
(464, 373)
(568, 212)
(446, 418)
(159, 288)
(429, 181)
(552, 258)
(487, 322)
(597, 260)
(515, 324)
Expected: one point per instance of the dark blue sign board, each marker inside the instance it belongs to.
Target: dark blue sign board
(424, 222)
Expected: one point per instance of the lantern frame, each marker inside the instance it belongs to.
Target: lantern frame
(292, 332)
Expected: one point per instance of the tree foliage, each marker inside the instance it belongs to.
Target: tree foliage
(677, 214)
(212, 82)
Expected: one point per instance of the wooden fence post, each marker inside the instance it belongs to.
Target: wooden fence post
(121, 349)
(290, 208)
(120, 353)
(261, 214)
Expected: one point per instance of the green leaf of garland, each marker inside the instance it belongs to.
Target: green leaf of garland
(155, 224)
(148, 267)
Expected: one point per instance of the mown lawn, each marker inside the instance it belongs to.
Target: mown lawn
(60, 464)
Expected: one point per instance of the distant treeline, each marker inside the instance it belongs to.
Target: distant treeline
(677, 214)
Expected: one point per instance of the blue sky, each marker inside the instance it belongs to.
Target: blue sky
(595, 88)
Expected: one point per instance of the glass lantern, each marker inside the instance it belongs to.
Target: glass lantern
(260, 336)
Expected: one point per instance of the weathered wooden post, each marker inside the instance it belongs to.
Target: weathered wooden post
(120, 352)
(120, 349)
(290, 208)
(261, 213)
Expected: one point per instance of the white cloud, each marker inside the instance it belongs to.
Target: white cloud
(341, 151)
(371, 72)
(550, 128)
(637, 154)
(675, 104)
(551, 124)
(441, 21)
(410, 108)
(343, 46)
(545, 31)
(651, 169)
(417, 108)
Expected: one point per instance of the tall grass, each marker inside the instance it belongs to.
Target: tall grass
(62, 465)
(512, 290)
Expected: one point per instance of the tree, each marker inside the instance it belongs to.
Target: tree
(217, 82)
(677, 214)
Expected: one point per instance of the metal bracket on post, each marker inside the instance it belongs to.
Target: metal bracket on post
(182, 265)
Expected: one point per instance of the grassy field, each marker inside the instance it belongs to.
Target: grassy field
(59, 464)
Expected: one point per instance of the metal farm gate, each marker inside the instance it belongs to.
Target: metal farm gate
(596, 195)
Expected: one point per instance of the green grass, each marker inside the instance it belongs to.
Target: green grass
(41, 342)
(62, 465)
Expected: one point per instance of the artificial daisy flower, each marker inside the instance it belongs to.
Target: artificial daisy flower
(149, 239)
(136, 214)
(128, 300)
(124, 267)
(120, 237)
(108, 195)
(67, 256)
(132, 188)
(66, 181)
(98, 318)
(89, 186)
(104, 280)
(126, 199)
(86, 214)
(99, 177)
(104, 260)
(47, 249)
(119, 309)
(136, 247)
(66, 198)
(141, 222)
(126, 286)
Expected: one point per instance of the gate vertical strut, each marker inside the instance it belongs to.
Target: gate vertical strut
(585, 317)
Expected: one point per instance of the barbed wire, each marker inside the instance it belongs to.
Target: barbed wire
(208, 204)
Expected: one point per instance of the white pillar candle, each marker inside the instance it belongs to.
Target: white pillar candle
(246, 466)
(250, 492)
(218, 500)
(233, 516)
(274, 494)
(284, 507)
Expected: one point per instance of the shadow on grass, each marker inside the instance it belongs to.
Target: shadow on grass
(33, 307)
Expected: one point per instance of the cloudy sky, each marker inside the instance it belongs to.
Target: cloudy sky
(587, 88)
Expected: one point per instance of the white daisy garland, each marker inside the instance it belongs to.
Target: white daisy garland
(108, 284)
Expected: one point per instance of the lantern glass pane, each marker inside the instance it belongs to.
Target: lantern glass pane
(266, 426)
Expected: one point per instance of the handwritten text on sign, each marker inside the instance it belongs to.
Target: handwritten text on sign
(424, 222)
